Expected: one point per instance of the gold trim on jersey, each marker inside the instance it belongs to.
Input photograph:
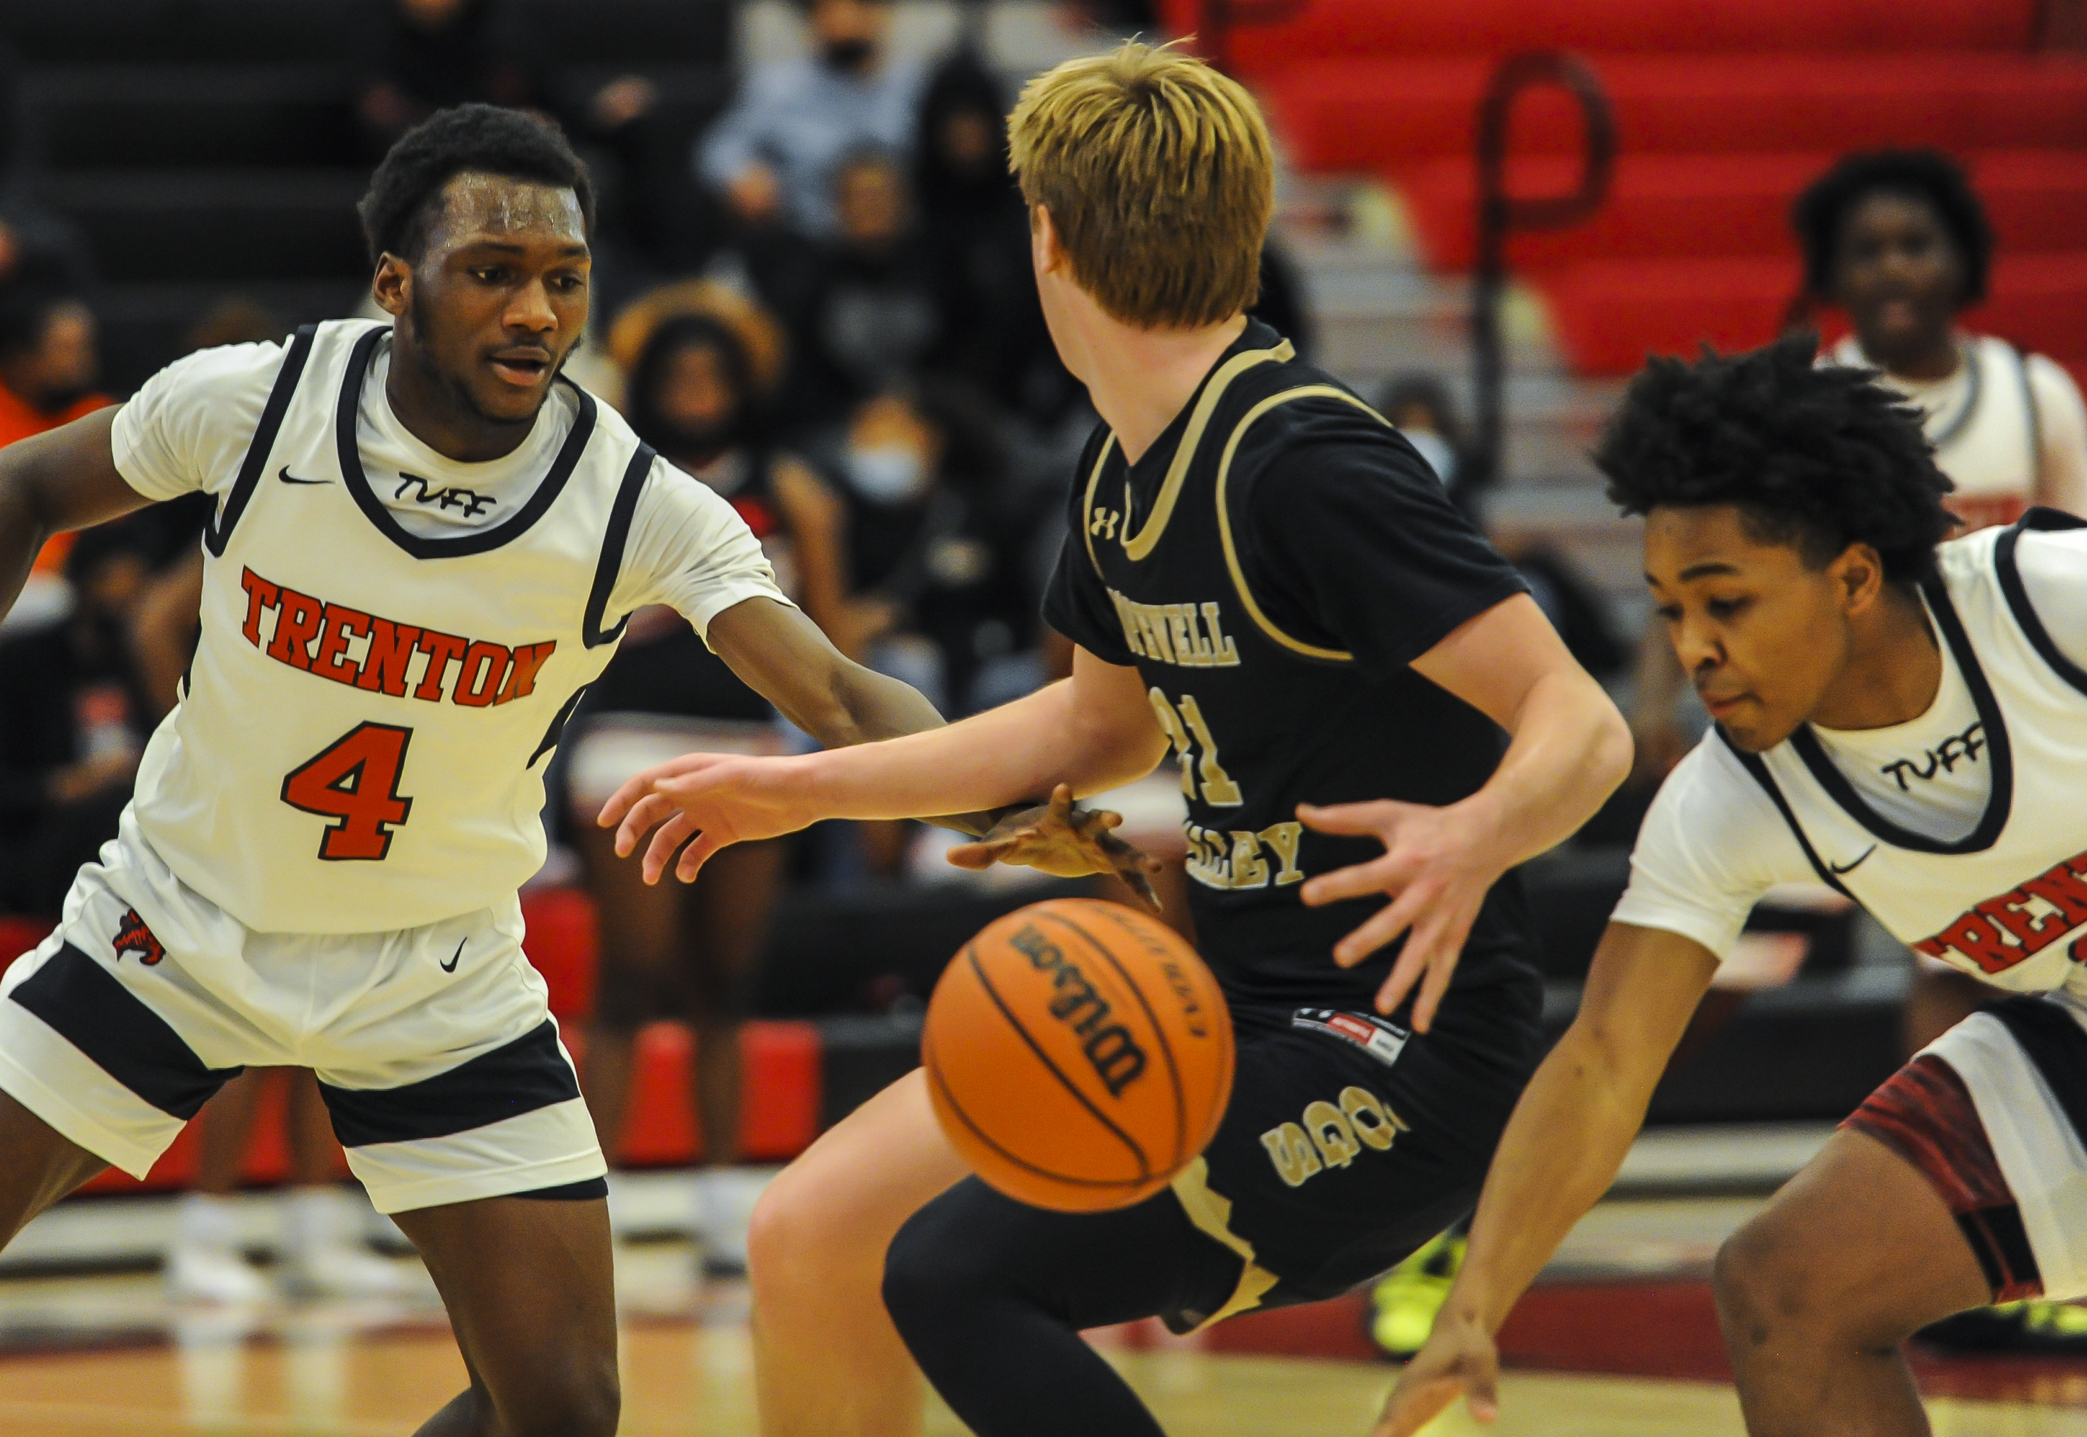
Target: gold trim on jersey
(1141, 544)
(1224, 516)
(1211, 1213)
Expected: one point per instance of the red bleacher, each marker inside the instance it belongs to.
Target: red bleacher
(1724, 110)
(1464, 27)
(783, 1080)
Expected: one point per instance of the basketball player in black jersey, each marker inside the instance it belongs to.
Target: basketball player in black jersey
(1265, 579)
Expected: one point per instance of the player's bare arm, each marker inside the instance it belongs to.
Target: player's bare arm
(1569, 749)
(787, 659)
(1562, 1149)
(1091, 732)
(65, 479)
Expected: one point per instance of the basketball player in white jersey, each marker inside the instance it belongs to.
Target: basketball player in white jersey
(1901, 718)
(1899, 240)
(424, 547)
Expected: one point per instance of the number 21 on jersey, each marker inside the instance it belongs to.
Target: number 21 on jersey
(355, 781)
(1186, 729)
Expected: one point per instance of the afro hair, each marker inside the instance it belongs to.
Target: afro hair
(465, 139)
(1926, 175)
(1815, 456)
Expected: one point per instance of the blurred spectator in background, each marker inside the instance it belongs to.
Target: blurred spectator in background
(976, 229)
(431, 54)
(934, 548)
(49, 363)
(874, 313)
(73, 720)
(703, 365)
(1899, 241)
(774, 153)
(1420, 407)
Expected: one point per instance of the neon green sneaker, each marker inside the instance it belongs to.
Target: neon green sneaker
(1404, 1302)
(2038, 1325)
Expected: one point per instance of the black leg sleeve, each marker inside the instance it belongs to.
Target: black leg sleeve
(991, 1296)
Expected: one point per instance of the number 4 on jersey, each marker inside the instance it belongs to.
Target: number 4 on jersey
(355, 781)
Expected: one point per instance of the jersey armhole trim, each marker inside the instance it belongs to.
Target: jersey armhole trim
(1758, 770)
(218, 532)
(1224, 515)
(2017, 593)
(546, 493)
(1141, 544)
(614, 540)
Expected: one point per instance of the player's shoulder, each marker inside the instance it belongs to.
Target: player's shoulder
(1711, 806)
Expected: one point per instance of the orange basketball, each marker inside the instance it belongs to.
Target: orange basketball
(1079, 1054)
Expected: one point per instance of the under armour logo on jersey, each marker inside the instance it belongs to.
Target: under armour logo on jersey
(132, 936)
(1103, 523)
(473, 504)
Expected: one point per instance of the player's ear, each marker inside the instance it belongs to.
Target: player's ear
(1043, 240)
(1858, 577)
(392, 286)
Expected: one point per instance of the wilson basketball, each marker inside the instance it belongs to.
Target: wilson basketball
(1078, 1054)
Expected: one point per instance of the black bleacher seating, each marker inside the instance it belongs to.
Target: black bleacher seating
(209, 147)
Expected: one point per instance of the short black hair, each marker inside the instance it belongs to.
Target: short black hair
(1926, 175)
(1815, 456)
(482, 139)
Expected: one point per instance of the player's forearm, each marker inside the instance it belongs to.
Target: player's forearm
(52, 482)
(1012, 754)
(1562, 1150)
(1569, 750)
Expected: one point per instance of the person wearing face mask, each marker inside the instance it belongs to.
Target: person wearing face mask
(702, 364)
(931, 544)
(773, 155)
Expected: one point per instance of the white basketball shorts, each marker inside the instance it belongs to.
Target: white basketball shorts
(434, 1047)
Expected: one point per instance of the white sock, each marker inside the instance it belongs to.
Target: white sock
(207, 1222)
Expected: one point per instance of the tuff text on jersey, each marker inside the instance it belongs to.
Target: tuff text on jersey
(380, 655)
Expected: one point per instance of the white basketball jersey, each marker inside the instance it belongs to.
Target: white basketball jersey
(361, 740)
(2008, 902)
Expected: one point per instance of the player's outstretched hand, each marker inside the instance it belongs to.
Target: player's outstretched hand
(1458, 1360)
(712, 799)
(1064, 839)
(1437, 865)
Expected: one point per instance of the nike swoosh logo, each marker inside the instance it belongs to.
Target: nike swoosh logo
(287, 477)
(451, 965)
(1837, 869)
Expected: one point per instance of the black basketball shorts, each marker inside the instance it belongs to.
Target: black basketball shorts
(1350, 1141)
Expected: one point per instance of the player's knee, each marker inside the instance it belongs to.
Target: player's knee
(583, 1402)
(794, 1239)
(1761, 1286)
(929, 1280)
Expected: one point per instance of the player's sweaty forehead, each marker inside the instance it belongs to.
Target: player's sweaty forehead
(478, 207)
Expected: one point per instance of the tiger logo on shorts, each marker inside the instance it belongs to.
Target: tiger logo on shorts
(132, 936)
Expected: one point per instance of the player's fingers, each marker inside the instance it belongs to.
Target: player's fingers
(1379, 928)
(648, 811)
(1413, 1407)
(1139, 884)
(984, 853)
(696, 855)
(1377, 816)
(1061, 804)
(665, 839)
(1482, 1382)
(1441, 961)
(1388, 874)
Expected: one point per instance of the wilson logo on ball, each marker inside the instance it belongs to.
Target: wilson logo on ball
(1116, 1057)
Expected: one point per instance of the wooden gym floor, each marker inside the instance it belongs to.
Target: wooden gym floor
(1619, 1342)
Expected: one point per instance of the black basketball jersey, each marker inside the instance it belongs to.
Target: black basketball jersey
(1271, 567)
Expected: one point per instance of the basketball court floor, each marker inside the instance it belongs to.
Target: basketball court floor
(1619, 1341)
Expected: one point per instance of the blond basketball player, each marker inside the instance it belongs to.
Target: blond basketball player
(1263, 578)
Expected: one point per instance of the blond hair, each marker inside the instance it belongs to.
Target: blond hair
(1159, 178)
